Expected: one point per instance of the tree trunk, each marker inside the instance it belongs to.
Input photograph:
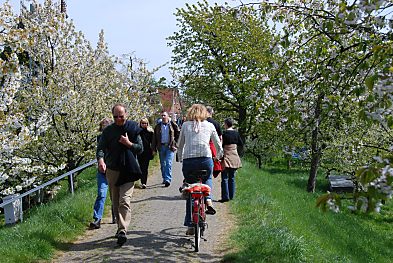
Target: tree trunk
(259, 161)
(315, 156)
(242, 128)
(315, 149)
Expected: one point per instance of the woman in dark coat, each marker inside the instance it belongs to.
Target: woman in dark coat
(144, 158)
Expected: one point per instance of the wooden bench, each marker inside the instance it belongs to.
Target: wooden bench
(341, 184)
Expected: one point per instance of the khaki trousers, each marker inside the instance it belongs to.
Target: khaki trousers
(121, 199)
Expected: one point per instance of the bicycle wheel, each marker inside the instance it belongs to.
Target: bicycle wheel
(197, 236)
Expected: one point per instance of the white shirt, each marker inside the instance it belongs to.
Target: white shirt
(194, 140)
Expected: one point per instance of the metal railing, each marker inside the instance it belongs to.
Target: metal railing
(70, 174)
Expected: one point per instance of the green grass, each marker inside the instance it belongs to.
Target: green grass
(52, 226)
(279, 222)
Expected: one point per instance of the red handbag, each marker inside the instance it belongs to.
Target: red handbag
(216, 163)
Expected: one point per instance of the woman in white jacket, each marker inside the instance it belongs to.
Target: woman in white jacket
(194, 151)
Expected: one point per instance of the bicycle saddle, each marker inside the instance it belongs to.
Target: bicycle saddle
(197, 175)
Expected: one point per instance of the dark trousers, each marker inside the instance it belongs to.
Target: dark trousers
(228, 184)
(144, 164)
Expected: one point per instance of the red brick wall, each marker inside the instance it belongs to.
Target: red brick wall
(170, 100)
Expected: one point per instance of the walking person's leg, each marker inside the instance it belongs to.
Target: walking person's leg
(144, 165)
(114, 220)
(112, 177)
(161, 153)
(168, 159)
(207, 164)
(125, 194)
(102, 189)
(224, 186)
(187, 218)
(231, 183)
(170, 155)
(189, 165)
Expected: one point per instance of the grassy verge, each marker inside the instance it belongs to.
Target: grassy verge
(51, 226)
(278, 222)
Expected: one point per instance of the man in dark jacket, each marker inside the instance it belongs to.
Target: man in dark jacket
(121, 142)
(166, 134)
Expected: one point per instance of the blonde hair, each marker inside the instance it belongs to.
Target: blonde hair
(197, 112)
(103, 123)
(149, 128)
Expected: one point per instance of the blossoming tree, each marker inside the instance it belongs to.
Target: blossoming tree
(55, 97)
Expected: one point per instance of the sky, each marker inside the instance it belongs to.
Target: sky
(138, 27)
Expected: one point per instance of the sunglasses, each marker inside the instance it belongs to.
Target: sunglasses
(144, 123)
(118, 116)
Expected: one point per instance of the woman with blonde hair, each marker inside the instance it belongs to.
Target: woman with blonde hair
(195, 154)
(144, 158)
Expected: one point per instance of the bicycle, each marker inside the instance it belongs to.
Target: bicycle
(197, 192)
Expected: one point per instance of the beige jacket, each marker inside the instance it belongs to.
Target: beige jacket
(231, 157)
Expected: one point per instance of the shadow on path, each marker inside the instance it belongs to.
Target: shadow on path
(142, 246)
(156, 233)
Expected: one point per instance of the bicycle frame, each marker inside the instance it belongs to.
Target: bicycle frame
(198, 207)
(197, 193)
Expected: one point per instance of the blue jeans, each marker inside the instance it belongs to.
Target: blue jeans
(192, 164)
(102, 187)
(166, 158)
(228, 186)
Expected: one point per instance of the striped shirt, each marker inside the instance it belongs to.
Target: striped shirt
(194, 140)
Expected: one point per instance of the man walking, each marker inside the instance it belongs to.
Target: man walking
(121, 142)
(166, 134)
(210, 119)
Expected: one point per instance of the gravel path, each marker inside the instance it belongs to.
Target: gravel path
(156, 233)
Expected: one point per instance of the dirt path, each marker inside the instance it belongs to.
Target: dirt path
(156, 233)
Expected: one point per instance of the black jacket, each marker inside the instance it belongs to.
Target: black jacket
(147, 139)
(129, 166)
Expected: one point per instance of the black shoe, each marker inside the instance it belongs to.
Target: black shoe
(181, 188)
(96, 224)
(121, 238)
(167, 184)
(143, 186)
(210, 210)
(223, 200)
